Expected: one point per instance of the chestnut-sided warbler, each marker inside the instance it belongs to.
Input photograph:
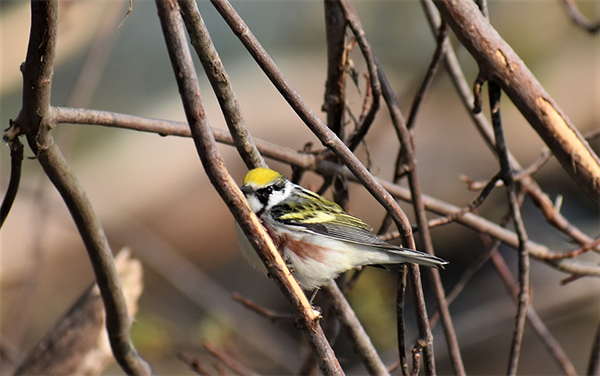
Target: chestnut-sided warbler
(316, 238)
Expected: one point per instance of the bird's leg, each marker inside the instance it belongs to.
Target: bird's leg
(313, 295)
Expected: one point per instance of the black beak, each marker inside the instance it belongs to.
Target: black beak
(246, 190)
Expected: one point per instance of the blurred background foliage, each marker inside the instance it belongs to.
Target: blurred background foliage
(153, 196)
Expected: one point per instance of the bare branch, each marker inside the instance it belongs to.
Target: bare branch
(118, 321)
(35, 121)
(434, 65)
(228, 360)
(337, 58)
(271, 315)
(354, 330)
(579, 19)
(183, 67)
(485, 129)
(535, 321)
(325, 135)
(194, 364)
(326, 168)
(16, 159)
(425, 237)
(507, 176)
(499, 63)
(219, 80)
(365, 122)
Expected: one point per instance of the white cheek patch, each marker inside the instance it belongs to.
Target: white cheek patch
(254, 203)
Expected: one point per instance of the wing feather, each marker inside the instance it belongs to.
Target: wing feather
(313, 213)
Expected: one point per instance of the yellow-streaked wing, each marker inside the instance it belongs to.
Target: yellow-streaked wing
(310, 212)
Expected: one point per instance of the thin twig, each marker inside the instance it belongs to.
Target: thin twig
(16, 159)
(491, 184)
(434, 65)
(354, 330)
(263, 311)
(536, 322)
(507, 177)
(194, 364)
(373, 80)
(425, 237)
(576, 252)
(579, 19)
(228, 360)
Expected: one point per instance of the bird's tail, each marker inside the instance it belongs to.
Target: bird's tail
(402, 255)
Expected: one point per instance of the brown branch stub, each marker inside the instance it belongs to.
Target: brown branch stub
(499, 63)
(78, 343)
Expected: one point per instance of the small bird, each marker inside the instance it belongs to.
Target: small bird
(315, 236)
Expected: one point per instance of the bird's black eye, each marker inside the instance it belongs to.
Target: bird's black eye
(263, 194)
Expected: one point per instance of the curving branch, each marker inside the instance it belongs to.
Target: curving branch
(499, 63)
(324, 134)
(591, 26)
(16, 160)
(35, 121)
(424, 235)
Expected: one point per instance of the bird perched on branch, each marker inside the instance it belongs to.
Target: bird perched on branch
(315, 236)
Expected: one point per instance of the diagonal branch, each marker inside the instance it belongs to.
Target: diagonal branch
(185, 75)
(499, 63)
(219, 80)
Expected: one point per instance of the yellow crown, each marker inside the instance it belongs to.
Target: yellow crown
(261, 176)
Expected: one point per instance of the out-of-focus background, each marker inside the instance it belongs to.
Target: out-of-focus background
(153, 196)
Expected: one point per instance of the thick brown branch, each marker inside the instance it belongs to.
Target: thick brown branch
(499, 63)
